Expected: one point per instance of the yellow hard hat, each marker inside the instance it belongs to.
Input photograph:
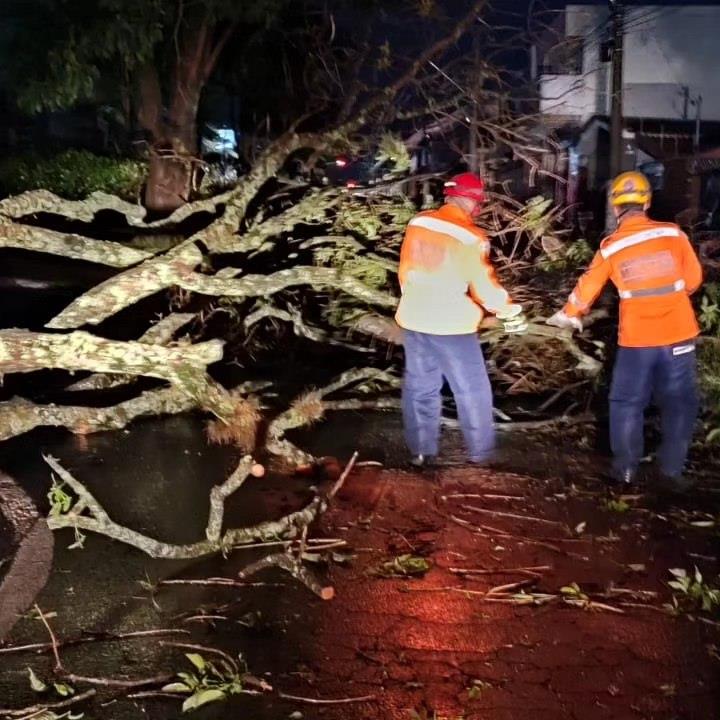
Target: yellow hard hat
(630, 188)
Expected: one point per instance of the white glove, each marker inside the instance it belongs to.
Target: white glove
(516, 325)
(509, 312)
(513, 320)
(561, 320)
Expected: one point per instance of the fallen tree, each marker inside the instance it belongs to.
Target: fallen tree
(278, 252)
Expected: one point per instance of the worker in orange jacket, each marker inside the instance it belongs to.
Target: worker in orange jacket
(446, 280)
(655, 270)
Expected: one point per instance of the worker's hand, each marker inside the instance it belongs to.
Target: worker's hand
(561, 320)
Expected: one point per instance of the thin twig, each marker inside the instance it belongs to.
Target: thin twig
(341, 480)
(204, 618)
(301, 549)
(512, 516)
(37, 709)
(319, 701)
(500, 589)
(44, 647)
(450, 588)
(221, 582)
(644, 606)
(113, 682)
(482, 529)
(53, 639)
(535, 571)
(489, 496)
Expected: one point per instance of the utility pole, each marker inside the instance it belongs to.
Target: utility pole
(698, 120)
(617, 14)
(686, 101)
(474, 163)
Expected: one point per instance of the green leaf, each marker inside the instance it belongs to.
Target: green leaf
(177, 687)
(203, 697)
(36, 683)
(197, 660)
(63, 690)
(474, 692)
(189, 679)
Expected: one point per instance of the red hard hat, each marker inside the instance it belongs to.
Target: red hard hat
(466, 185)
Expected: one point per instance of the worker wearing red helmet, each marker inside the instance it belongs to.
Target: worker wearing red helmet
(447, 283)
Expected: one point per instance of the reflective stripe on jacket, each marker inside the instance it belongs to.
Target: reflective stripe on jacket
(655, 270)
(446, 275)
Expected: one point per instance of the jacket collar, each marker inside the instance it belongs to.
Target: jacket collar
(455, 214)
(632, 217)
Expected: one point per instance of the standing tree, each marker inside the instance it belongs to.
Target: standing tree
(160, 54)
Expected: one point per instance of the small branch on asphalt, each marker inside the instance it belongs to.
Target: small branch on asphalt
(484, 530)
(504, 589)
(219, 582)
(38, 710)
(343, 477)
(40, 648)
(320, 701)
(513, 516)
(53, 640)
(116, 683)
(295, 569)
(292, 526)
(535, 572)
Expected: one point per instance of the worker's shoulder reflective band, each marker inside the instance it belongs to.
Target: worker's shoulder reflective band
(466, 237)
(637, 238)
(653, 292)
(683, 349)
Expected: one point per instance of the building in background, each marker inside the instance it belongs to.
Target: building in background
(671, 98)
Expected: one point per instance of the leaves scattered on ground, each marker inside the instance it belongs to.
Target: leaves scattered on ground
(402, 566)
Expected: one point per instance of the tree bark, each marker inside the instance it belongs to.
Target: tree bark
(111, 296)
(19, 416)
(97, 520)
(161, 333)
(150, 103)
(77, 247)
(43, 201)
(169, 182)
(184, 367)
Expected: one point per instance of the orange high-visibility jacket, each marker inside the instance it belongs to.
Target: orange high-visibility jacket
(655, 270)
(446, 275)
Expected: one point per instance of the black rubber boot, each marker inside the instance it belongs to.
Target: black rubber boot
(676, 486)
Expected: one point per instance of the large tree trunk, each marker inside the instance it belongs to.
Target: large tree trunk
(169, 178)
(173, 159)
(169, 183)
(175, 138)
